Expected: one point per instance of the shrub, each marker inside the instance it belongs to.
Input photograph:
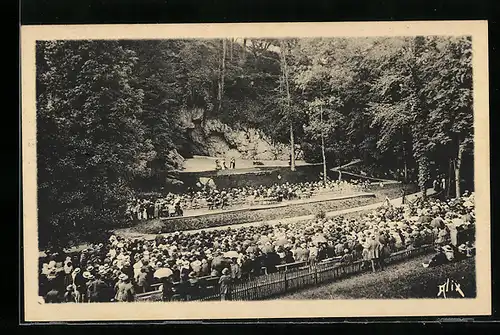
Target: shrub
(320, 214)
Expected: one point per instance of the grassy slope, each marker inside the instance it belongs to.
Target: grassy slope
(406, 280)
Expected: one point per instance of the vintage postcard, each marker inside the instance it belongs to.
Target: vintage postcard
(278, 170)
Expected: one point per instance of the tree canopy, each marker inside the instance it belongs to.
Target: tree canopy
(107, 111)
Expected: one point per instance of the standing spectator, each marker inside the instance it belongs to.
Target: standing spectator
(156, 213)
(79, 284)
(210, 201)
(83, 258)
(196, 266)
(357, 251)
(289, 256)
(89, 277)
(339, 248)
(193, 287)
(330, 249)
(68, 269)
(224, 282)
(205, 268)
(150, 209)
(235, 271)
(246, 267)
(167, 289)
(133, 212)
(374, 253)
(124, 289)
(144, 211)
(443, 236)
(148, 269)
(313, 254)
(233, 163)
(302, 253)
(69, 295)
(347, 257)
(436, 185)
(98, 290)
(142, 281)
(453, 231)
(139, 211)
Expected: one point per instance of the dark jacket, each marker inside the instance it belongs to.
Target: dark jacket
(98, 291)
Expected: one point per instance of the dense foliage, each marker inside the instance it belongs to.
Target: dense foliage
(107, 111)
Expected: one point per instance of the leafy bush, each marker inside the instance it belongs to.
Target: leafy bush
(321, 214)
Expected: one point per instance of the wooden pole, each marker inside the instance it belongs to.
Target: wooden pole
(285, 77)
(323, 147)
(457, 170)
(222, 74)
(405, 180)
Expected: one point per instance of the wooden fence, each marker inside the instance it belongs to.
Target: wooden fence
(292, 278)
(284, 282)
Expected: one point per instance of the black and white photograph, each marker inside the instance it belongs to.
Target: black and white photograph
(211, 170)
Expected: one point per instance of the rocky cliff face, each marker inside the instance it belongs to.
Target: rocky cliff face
(213, 138)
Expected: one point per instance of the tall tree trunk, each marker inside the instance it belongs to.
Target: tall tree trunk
(222, 75)
(292, 149)
(323, 147)
(405, 172)
(451, 170)
(458, 165)
(244, 50)
(423, 174)
(231, 41)
(285, 77)
(405, 165)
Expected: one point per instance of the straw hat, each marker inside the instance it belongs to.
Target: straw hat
(87, 275)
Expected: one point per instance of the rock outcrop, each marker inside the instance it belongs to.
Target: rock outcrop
(211, 137)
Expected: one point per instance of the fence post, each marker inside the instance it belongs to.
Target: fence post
(286, 282)
(316, 274)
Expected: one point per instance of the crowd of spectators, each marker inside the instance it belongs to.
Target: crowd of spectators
(119, 268)
(174, 204)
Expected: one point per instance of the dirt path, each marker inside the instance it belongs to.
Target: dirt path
(399, 281)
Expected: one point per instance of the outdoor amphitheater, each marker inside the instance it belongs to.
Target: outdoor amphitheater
(255, 232)
(238, 169)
